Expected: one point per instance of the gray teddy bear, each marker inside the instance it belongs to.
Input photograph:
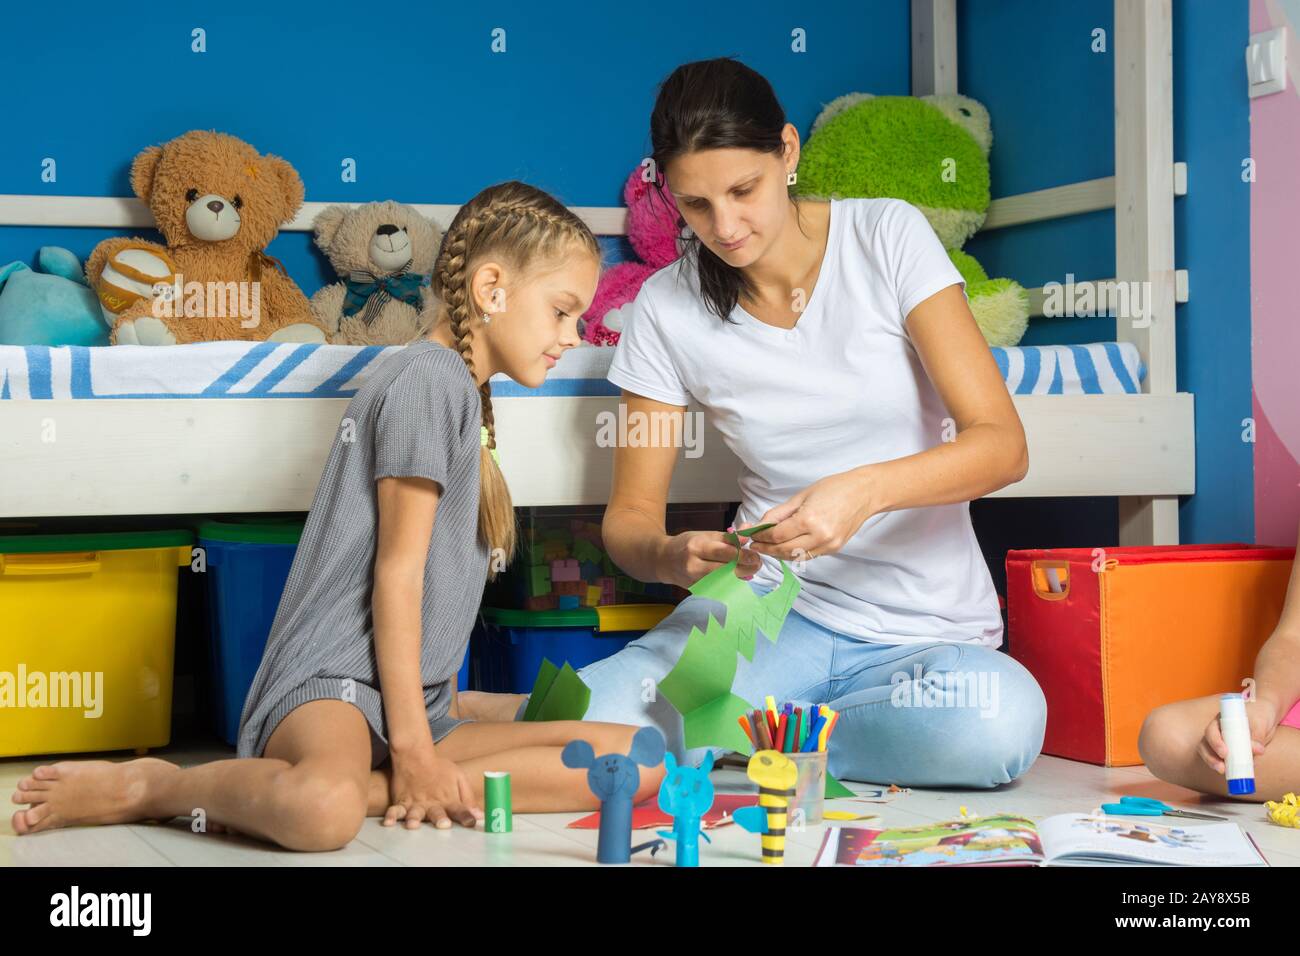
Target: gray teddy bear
(385, 253)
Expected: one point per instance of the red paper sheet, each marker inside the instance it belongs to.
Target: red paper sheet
(647, 815)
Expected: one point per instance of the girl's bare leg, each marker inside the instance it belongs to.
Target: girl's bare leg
(530, 752)
(308, 792)
(1171, 734)
(482, 705)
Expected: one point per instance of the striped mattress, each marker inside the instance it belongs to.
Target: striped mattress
(292, 370)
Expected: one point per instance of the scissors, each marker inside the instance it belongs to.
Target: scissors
(1146, 807)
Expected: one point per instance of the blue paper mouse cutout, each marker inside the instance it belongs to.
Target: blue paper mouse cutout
(687, 794)
(614, 779)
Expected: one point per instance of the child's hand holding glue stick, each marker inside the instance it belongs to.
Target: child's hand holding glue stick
(1236, 736)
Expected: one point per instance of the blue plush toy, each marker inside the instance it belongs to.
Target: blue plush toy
(51, 307)
(687, 794)
(614, 779)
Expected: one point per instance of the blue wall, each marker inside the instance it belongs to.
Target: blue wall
(412, 92)
(432, 115)
(1051, 101)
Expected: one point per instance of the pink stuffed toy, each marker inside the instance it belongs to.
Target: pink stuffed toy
(652, 230)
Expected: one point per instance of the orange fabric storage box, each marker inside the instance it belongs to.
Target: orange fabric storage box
(1112, 633)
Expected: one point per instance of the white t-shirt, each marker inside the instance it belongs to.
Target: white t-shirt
(844, 388)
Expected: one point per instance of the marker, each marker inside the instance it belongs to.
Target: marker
(825, 729)
(830, 728)
(814, 732)
(744, 725)
(1239, 768)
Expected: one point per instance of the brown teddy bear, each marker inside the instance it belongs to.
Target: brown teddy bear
(385, 251)
(218, 203)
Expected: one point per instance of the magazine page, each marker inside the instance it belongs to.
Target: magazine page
(1082, 839)
(1002, 839)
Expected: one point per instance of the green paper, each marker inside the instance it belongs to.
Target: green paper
(746, 611)
(836, 789)
(699, 685)
(715, 725)
(567, 698)
(706, 669)
(541, 686)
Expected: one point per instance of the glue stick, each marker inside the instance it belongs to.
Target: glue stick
(1239, 768)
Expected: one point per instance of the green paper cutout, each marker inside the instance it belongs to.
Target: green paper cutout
(699, 685)
(714, 724)
(558, 694)
(835, 789)
(541, 686)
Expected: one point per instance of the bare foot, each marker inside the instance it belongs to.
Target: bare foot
(87, 792)
(480, 705)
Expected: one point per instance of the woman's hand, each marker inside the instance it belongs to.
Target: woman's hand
(818, 520)
(689, 556)
(425, 786)
(1261, 716)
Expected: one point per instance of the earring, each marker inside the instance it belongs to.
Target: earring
(486, 318)
(791, 177)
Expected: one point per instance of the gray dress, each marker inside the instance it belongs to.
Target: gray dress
(418, 413)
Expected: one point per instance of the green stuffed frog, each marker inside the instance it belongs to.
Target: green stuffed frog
(932, 151)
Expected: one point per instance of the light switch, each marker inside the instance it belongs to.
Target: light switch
(1266, 62)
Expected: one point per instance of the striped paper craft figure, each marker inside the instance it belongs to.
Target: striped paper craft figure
(775, 774)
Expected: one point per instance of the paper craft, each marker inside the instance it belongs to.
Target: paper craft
(836, 789)
(614, 778)
(1067, 839)
(699, 685)
(687, 794)
(775, 774)
(558, 694)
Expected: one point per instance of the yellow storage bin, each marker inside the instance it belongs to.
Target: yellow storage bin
(88, 624)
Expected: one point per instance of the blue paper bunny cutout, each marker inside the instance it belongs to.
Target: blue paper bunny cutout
(614, 779)
(687, 794)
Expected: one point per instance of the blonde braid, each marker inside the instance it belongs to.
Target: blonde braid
(525, 224)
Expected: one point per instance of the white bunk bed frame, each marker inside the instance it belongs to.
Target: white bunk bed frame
(183, 456)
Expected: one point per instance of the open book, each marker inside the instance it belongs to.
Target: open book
(1067, 839)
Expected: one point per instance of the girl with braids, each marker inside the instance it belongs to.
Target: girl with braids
(353, 711)
(831, 345)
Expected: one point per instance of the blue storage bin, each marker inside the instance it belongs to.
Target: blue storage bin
(516, 641)
(248, 563)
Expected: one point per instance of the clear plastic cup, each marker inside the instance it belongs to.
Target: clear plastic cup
(809, 800)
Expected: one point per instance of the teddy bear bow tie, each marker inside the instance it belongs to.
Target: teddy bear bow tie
(361, 286)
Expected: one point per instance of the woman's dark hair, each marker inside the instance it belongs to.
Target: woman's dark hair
(714, 104)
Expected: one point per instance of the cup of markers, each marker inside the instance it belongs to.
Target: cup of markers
(802, 734)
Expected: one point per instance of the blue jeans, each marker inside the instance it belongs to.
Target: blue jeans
(938, 714)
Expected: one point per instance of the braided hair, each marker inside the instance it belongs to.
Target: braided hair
(528, 228)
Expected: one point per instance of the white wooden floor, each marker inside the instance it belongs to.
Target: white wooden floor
(1051, 786)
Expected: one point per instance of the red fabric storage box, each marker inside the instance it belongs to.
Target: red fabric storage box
(1112, 633)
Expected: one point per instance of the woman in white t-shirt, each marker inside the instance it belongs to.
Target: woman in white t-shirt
(832, 346)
